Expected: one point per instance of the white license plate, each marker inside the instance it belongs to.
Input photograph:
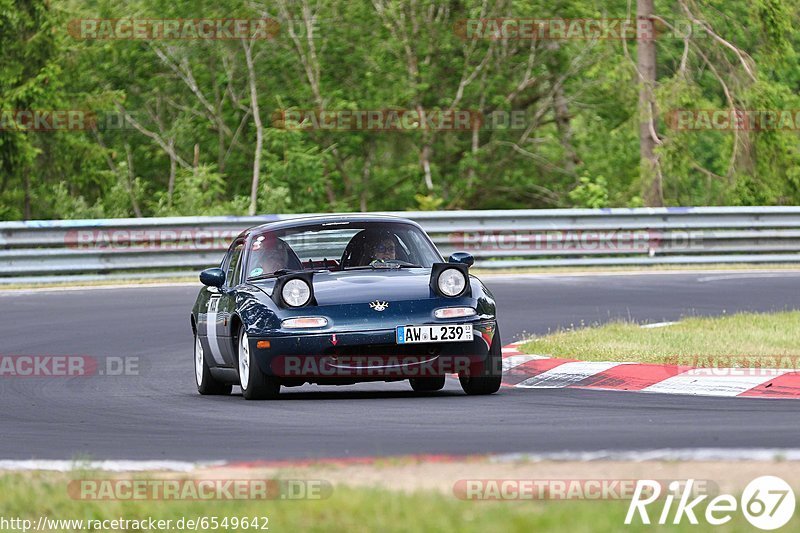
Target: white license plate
(438, 333)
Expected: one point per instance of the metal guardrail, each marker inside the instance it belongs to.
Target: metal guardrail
(498, 239)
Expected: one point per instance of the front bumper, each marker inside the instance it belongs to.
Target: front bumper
(347, 357)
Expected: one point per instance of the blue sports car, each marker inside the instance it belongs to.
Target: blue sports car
(336, 300)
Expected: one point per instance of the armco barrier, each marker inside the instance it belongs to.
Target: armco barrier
(498, 239)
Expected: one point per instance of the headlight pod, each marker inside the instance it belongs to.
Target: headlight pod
(451, 282)
(294, 290)
(296, 293)
(454, 312)
(304, 322)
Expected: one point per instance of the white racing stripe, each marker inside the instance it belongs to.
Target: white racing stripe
(715, 381)
(211, 323)
(567, 374)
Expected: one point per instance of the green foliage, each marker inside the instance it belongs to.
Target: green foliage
(428, 202)
(576, 146)
(294, 173)
(199, 191)
(68, 205)
(590, 193)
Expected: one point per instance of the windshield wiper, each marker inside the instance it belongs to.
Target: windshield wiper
(392, 264)
(275, 274)
(404, 264)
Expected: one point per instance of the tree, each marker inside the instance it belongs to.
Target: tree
(646, 73)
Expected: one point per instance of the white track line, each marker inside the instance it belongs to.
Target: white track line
(667, 454)
(600, 273)
(516, 360)
(35, 290)
(658, 325)
(567, 374)
(746, 275)
(714, 382)
(108, 466)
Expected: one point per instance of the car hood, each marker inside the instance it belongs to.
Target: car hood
(344, 298)
(357, 286)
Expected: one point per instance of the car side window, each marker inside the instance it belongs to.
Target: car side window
(232, 275)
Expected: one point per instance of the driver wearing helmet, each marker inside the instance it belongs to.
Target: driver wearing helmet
(268, 256)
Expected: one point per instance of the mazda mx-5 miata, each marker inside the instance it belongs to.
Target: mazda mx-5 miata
(336, 300)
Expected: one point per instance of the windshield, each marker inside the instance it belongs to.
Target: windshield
(340, 246)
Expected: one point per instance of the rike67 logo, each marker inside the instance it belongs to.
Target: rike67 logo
(767, 503)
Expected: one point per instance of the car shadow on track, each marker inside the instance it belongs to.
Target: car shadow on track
(361, 395)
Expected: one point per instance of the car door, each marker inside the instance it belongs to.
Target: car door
(226, 303)
(215, 312)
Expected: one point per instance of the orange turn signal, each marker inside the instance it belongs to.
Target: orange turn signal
(262, 344)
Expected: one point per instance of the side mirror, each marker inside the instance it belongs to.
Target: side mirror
(213, 277)
(462, 258)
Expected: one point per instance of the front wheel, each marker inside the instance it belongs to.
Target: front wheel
(255, 384)
(485, 378)
(206, 384)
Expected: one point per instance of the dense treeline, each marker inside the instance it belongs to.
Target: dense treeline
(193, 126)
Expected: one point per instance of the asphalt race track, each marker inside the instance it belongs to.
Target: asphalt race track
(157, 414)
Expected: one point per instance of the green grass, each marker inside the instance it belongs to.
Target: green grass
(352, 510)
(740, 340)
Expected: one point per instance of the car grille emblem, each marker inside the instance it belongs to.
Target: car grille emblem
(379, 305)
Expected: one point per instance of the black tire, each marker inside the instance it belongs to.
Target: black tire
(427, 384)
(206, 384)
(485, 378)
(256, 385)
